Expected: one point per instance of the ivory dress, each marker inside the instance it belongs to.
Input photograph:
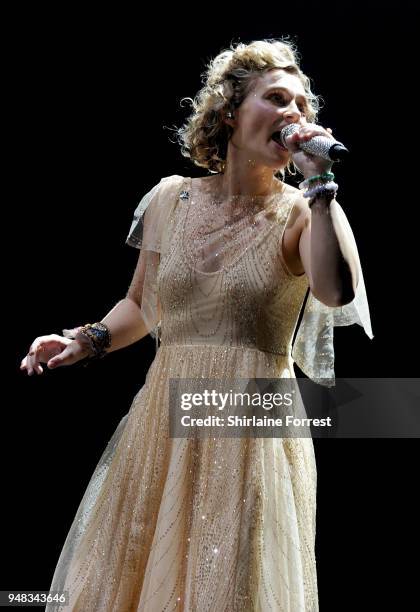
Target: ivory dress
(216, 524)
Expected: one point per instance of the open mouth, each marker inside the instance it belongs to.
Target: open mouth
(277, 140)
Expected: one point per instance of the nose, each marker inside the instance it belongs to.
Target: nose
(292, 113)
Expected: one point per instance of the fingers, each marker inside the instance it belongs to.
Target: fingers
(54, 362)
(31, 364)
(23, 363)
(309, 131)
(41, 341)
(292, 141)
(65, 357)
(305, 133)
(31, 361)
(41, 349)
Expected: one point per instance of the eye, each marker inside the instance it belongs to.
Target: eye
(277, 96)
(282, 101)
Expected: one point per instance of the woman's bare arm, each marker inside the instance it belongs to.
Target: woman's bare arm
(125, 324)
(317, 243)
(124, 321)
(327, 251)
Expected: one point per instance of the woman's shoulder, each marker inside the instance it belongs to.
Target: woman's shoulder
(293, 191)
(156, 199)
(167, 187)
(174, 180)
(296, 199)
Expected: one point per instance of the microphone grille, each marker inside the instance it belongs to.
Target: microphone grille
(288, 130)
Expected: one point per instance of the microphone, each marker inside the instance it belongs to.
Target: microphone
(321, 146)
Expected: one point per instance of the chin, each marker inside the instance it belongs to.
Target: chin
(281, 162)
(279, 167)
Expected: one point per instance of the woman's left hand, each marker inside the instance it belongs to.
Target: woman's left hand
(308, 164)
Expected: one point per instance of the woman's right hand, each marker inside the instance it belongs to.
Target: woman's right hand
(54, 350)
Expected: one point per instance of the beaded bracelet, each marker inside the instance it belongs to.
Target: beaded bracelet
(97, 335)
(325, 177)
(329, 188)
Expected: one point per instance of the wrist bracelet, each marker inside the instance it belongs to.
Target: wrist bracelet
(325, 177)
(329, 189)
(97, 335)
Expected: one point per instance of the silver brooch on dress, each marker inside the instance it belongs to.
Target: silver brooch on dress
(184, 195)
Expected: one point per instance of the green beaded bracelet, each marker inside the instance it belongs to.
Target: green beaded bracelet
(327, 176)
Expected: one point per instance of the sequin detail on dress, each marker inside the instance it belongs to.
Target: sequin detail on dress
(212, 524)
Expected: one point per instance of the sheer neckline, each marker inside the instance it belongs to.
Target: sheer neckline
(207, 188)
(212, 226)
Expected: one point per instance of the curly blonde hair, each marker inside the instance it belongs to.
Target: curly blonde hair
(228, 79)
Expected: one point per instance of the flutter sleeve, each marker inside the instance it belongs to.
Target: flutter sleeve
(147, 233)
(313, 348)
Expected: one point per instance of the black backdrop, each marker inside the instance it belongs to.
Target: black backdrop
(91, 97)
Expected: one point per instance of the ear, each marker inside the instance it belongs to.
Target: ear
(229, 118)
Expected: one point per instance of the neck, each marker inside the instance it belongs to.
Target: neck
(246, 177)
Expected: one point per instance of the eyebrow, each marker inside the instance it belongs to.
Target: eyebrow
(303, 98)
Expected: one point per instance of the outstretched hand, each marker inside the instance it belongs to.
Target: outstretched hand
(53, 350)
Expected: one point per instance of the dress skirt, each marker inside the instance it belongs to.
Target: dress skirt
(197, 525)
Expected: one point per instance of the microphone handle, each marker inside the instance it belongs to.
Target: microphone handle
(325, 147)
(320, 146)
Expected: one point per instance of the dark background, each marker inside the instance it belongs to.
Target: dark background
(90, 98)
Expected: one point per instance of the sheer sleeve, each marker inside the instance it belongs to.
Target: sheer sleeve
(147, 233)
(313, 348)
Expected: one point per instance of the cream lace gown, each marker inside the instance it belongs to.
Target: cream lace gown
(225, 524)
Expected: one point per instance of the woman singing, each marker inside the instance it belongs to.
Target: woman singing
(225, 263)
